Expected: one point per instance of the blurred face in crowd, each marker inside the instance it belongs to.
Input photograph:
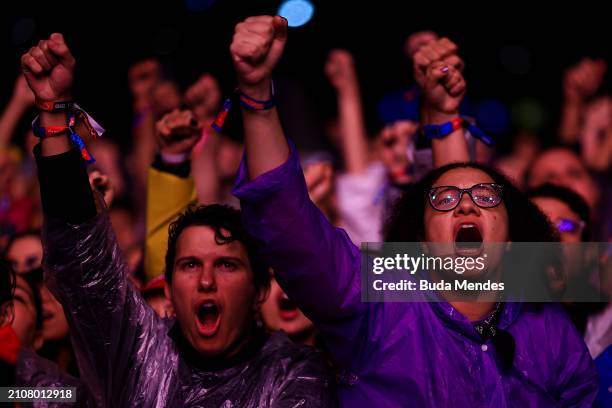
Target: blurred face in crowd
(165, 97)
(278, 312)
(25, 253)
(213, 292)
(557, 211)
(24, 321)
(467, 223)
(564, 168)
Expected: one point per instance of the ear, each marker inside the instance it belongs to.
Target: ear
(7, 313)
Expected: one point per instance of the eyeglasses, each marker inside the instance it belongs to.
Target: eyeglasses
(447, 198)
(567, 225)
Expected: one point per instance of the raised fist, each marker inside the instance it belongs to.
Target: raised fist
(203, 97)
(49, 69)
(256, 48)
(178, 131)
(340, 70)
(581, 81)
(443, 89)
(443, 50)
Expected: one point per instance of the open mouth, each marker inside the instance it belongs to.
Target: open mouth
(288, 310)
(209, 318)
(468, 239)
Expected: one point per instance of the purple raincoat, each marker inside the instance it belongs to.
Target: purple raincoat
(405, 354)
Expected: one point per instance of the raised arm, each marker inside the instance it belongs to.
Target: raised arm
(316, 264)
(340, 69)
(438, 72)
(580, 82)
(21, 100)
(170, 186)
(111, 327)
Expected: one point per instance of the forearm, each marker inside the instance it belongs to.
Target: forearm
(266, 145)
(204, 168)
(571, 116)
(9, 120)
(452, 148)
(352, 130)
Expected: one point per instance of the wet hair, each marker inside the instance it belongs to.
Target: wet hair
(7, 281)
(568, 197)
(227, 224)
(34, 279)
(526, 223)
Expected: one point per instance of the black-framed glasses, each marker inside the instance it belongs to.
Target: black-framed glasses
(447, 198)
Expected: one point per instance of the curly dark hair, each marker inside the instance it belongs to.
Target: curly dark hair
(526, 223)
(220, 218)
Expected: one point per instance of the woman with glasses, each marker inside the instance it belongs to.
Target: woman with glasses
(465, 354)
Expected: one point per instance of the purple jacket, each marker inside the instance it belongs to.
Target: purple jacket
(405, 354)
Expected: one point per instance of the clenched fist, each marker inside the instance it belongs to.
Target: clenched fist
(256, 48)
(178, 131)
(438, 72)
(49, 69)
(581, 81)
(443, 89)
(340, 70)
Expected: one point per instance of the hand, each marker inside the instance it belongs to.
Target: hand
(49, 69)
(22, 94)
(443, 91)
(101, 183)
(319, 178)
(432, 51)
(178, 131)
(203, 97)
(340, 70)
(581, 81)
(256, 48)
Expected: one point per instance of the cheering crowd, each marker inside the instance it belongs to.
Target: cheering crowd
(204, 270)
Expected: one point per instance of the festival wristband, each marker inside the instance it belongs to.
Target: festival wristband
(50, 131)
(50, 106)
(441, 131)
(246, 102)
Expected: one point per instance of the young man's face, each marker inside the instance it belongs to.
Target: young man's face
(213, 292)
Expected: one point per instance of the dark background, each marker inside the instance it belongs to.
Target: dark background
(106, 37)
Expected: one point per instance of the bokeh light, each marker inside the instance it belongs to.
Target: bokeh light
(297, 12)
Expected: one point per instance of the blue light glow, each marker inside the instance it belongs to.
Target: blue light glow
(297, 12)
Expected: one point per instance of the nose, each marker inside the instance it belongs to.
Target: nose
(207, 281)
(466, 206)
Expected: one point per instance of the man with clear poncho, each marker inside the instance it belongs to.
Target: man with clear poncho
(213, 354)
